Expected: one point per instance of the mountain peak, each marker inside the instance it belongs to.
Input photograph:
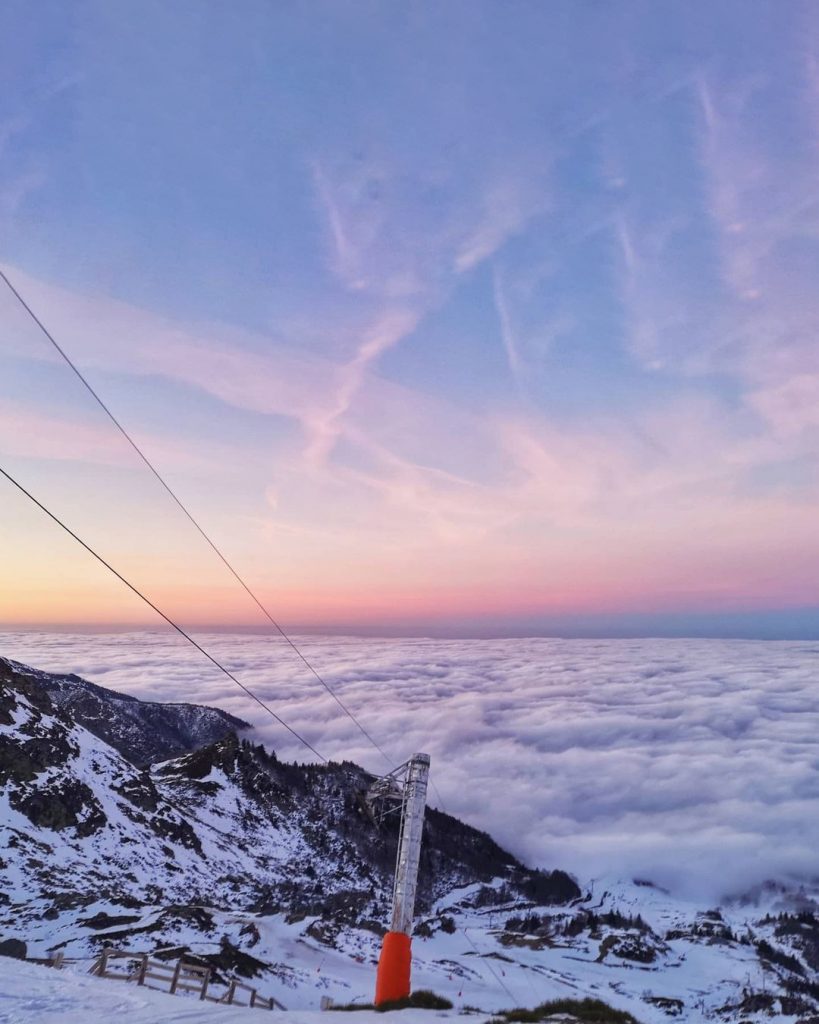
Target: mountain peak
(144, 732)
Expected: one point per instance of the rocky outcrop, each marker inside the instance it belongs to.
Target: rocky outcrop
(15, 948)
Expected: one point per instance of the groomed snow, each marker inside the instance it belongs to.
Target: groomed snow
(30, 994)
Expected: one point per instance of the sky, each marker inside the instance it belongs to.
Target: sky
(475, 319)
(691, 763)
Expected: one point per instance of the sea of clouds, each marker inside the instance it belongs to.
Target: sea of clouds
(694, 763)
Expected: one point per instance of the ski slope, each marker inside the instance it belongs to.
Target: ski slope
(30, 994)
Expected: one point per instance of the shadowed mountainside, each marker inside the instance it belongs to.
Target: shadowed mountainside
(144, 732)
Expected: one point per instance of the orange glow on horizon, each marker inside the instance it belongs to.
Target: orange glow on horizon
(225, 607)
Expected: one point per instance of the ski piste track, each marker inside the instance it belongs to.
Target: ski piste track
(30, 994)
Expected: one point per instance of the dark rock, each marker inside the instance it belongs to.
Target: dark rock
(103, 920)
(22, 759)
(548, 887)
(233, 960)
(61, 806)
(672, 1007)
(14, 948)
(141, 792)
(177, 830)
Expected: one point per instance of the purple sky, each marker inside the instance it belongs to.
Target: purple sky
(474, 317)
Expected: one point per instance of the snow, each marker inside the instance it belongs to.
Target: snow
(470, 967)
(480, 963)
(30, 994)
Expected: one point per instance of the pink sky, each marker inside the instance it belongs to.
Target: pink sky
(531, 340)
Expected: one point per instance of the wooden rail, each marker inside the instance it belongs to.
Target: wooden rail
(179, 977)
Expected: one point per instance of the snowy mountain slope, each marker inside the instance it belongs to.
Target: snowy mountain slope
(660, 957)
(274, 871)
(228, 826)
(144, 732)
(481, 963)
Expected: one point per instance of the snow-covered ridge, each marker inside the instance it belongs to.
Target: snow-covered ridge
(144, 732)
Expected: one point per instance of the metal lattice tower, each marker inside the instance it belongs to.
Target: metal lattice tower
(403, 791)
(409, 844)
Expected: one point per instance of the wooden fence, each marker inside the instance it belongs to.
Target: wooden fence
(178, 977)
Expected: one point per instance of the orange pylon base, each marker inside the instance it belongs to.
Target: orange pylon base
(393, 978)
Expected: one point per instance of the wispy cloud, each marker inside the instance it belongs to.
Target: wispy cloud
(326, 425)
(404, 270)
(641, 504)
(345, 257)
(507, 333)
(29, 433)
(507, 206)
(765, 206)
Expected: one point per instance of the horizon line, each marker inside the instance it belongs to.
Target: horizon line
(772, 625)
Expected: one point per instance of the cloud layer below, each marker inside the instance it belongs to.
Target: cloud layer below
(691, 762)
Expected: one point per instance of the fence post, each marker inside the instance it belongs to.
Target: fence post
(253, 997)
(143, 970)
(231, 990)
(205, 983)
(103, 962)
(176, 973)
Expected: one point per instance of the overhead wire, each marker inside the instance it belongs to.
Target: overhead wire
(186, 511)
(225, 561)
(55, 518)
(462, 928)
(483, 957)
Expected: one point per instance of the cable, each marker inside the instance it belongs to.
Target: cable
(162, 614)
(202, 650)
(483, 957)
(187, 513)
(222, 557)
(438, 795)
